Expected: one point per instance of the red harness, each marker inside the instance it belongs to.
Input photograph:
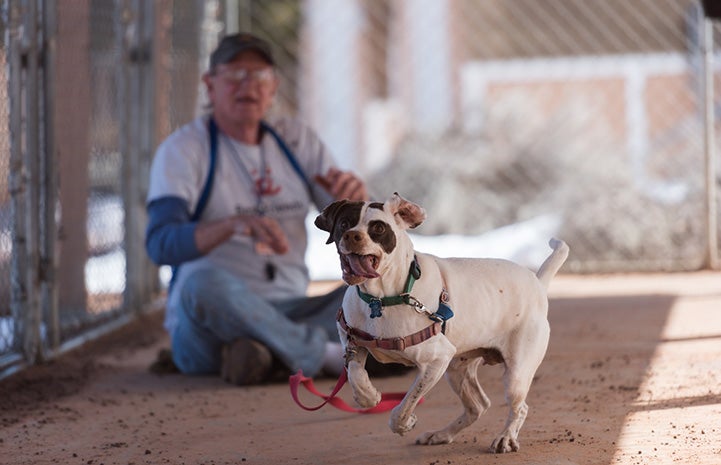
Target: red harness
(361, 338)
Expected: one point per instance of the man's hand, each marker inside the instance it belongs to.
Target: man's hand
(268, 235)
(343, 185)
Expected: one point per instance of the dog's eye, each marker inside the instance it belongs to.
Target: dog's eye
(379, 228)
(344, 224)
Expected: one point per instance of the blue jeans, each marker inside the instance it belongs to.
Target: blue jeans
(217, 308)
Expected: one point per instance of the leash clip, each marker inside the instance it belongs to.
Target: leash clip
(415, 303)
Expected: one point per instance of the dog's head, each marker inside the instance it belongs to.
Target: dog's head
(368, 234)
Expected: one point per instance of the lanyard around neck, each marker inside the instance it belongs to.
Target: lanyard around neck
(266, 128)
(257, 185)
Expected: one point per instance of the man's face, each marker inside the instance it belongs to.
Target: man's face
(242, 90)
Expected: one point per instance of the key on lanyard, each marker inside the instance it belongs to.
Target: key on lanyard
(270, 271)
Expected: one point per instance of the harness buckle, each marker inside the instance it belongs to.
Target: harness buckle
(400, 343)
(350, 352)
(445, 298)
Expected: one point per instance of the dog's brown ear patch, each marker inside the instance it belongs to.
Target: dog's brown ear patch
(325, 221)
(410, 214)
(341, 212)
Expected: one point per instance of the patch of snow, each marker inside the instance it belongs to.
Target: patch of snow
(106, 273)
(525, 243)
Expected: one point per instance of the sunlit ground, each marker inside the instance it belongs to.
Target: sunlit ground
(676, 417)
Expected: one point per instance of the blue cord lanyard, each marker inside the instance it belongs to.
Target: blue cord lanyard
(208, 186)
(213, 136)
(270, 269)
(256, 185)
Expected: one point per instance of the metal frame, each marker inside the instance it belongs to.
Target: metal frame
(26, 146)
(135, 95)
(712, 251)
(33, 176)
(13, 14)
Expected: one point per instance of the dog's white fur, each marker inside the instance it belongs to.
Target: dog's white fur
(497, 304)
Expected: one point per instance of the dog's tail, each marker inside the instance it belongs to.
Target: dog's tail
(554, 261)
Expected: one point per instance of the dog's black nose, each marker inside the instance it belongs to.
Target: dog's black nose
(352, 236)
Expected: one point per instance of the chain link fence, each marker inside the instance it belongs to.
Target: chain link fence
(6, 219)
(591, 113)
(581, 119)
(89, 89)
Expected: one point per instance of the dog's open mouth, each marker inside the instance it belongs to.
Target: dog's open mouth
(360, 266)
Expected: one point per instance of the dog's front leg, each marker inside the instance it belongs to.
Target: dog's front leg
(430, 372)
(364, 393)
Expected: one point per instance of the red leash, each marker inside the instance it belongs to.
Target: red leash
(388, 400)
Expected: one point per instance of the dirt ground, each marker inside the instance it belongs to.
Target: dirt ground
(632, 376)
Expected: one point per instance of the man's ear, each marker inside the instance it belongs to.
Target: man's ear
(208, 80)
(325, 221)
(407, 214)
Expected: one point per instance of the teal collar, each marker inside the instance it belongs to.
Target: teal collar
(376, 303)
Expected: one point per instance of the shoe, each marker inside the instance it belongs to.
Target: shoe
(245, 362)
(333, 360)
(164, 364)
(279, 373)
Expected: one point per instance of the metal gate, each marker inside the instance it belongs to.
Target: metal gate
(87, 107)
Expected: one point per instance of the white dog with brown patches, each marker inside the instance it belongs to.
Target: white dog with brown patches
(443, 315)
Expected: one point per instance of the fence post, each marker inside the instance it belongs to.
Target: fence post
(25, 178)
(50, 169)
(709, 146)
(17, 181)
(72, 149)
(137, 98)
(133, 54)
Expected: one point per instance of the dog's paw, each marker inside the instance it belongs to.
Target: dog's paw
(365, 394)
(505, 444)
(402, 425)
(367, 399)
(435, 437)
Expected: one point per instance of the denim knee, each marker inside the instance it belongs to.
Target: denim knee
(210, 282)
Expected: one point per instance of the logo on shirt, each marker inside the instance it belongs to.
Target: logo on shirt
(266, 186)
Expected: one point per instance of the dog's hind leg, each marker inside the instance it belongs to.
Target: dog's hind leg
(462, 375)
(520, 369)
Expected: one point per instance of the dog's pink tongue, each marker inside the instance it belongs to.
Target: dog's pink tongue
(362, 265)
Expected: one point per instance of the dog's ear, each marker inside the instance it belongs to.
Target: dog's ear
(406, 213)
(327, 218)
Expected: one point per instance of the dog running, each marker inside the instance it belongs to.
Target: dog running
(443, 315)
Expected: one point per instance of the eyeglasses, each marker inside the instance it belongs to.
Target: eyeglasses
(238, 75)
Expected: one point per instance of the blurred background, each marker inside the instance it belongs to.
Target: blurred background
(508, 120)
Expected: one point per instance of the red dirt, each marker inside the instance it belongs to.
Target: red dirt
(632, 376)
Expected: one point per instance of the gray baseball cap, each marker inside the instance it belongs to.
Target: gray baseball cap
(231, 45)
